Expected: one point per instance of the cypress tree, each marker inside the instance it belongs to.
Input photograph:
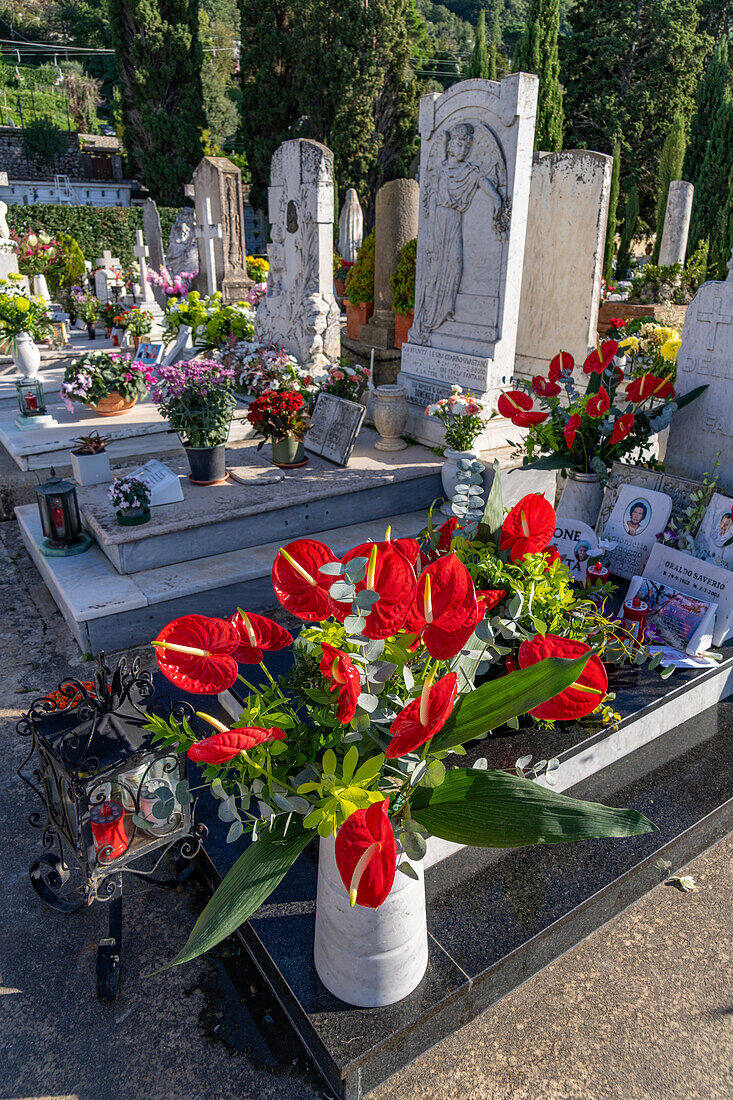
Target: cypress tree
(478, 63)
(159, 61)
(612, 212)
(495, 45)
(670, 168)
(710, 92)
(631, 217)
(537, 52)
(711, 212)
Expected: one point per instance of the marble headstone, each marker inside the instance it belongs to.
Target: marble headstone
(696, 578)
(183, 253)
(563, 257)
(673, 247)
(575, 542)
(396, 215)
(219, 180)
(716, 531)
(300, 310)
(705, 426)
(475, 167)
(351, 227)
(153, 235)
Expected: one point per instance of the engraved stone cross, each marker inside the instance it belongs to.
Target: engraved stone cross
(715, 317)
(142, 252)
(209, 233)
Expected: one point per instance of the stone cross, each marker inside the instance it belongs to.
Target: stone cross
(716, 317)
(208, 233)
(105, 263)
(107, 260)
(141, 252)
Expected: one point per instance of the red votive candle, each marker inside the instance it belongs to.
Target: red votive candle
(634, 615)
(108, 829)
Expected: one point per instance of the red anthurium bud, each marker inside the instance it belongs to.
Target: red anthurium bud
(622, 427)
(529, 419)
(366, 855)
(601, 357)
(529, 526)
(445, 610)
(338, 667)
(422, 718)
(298, 584)
(225, 745)
(571, 428)
(391, 576)
(446, 532)
(512, 402)
(562, 363)
(588, 690)
(198, 654)
(257, 634)
(598, 404)
(543, 388)
(648, 385)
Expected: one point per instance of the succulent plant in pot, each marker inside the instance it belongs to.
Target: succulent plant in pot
(90, 461)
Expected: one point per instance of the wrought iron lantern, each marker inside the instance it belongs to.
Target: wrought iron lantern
(60, 520)
(114, 801)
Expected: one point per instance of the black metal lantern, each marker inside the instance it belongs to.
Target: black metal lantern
(114, 800)
(60, 520)
(31, 397)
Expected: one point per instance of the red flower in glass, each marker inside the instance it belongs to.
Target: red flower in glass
(423, 717)
(571, 428)
(512, 402)
(338, 667)
(445, 609)
(256, 635)
(599, 359)
(529, 526)
(224, 746)
(621, 428)
(366, 855)
(391, 576)
(598, 404)
(648, 385)
(298, 584)
(581, 697)
(543, 388)
(560, 364)
(198, 654)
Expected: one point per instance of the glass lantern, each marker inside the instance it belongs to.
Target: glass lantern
(114, 801)
(59, 510)
(31, 397)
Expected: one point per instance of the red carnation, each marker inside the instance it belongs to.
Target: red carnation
(422, 718)
(561, 364)
(257, 634)
(598, 404)
(599, 359)
(299, 585)
(571, 428)
(622, 427)
(581, 697)
(224, 746)
(648, 385)
(338, 667)
(529, 526)
(445, 609)
(198, 654)
(366, 855)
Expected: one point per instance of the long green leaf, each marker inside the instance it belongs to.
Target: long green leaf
(684, 399)
(493, 809)
(241, 892)
(552, 462)
(493, 517)
(494, 703)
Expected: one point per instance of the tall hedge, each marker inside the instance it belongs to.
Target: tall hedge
(93, 227)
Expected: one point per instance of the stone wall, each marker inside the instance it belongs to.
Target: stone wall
(73, 163)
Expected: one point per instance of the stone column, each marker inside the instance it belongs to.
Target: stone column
(676, 223)
(396, 214)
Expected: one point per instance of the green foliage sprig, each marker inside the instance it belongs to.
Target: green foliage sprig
(402, 279)
(360, 280)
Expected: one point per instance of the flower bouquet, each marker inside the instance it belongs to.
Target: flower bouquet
(359, 745)
(281, 417)
(139, 324)
(173, 286)
(36, 253)
(23, 320)
(197, 401)
(130, 498)
(461, 416)
(258, 369)
(110, 382)
(347, 381)
(257, 268)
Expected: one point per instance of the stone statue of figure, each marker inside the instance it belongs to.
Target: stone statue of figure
(450, 196)
(4, 230)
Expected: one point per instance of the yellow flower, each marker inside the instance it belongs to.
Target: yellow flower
(631, 342)
(22, 304)
(670, 348)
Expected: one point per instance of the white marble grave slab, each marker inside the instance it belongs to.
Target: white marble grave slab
(575, 542)
(716, 530)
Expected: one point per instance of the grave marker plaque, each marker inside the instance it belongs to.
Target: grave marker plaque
(164, 485)
(335, 425)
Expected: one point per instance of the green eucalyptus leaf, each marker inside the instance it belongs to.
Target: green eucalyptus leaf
(235, 831)
(354, 624)
(355, 570)
(332, 569)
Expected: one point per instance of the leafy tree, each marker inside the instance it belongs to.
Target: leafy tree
(43, 142)
(478, 63)
(159, 59)
(710, 92)
(612, 212)
(631, 218)
(670, 168)
(218, 32)
(537, 52)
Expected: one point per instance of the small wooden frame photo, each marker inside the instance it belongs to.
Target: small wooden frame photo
(335, 424)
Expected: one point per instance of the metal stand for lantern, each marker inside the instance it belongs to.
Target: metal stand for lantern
(112, 798)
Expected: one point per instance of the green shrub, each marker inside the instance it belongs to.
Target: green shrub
(360, 280)
(43, 142)
(71, 269)
(94, 228)
(402, 279)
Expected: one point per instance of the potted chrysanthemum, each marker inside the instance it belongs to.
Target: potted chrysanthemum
(197, 401)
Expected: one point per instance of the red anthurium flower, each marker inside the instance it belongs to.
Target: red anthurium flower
(512, 402)
(409, 548)
(571, 428)
(198, 653)
(225, 745)
(366, 855)
(422, 718)
(543, 388)
(445, 609)
(622, 427)
(600, 358)
(581, 697)
(529, 526)
(446, 533)
(552, 554)
(562, 363)
(487, 599)
(648, 385)
(338, 667)
(298, 584)
(529, 419)
(391, 576)
(598, 404)
(257, 634)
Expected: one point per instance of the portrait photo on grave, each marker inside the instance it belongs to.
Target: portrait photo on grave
(635, 521)
(637, 517)
(714, 539)
(576, 544)
(676, 619)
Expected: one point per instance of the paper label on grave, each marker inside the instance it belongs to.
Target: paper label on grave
(715, 531)
(697, 578)
(149, 354)
(675, 618)
(638, 516)
(335, 425)
(451, 368)
(165, 486)
(575, 542)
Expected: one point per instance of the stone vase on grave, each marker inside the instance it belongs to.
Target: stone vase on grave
(26, 355)
(369, 957)
(582, 497)
(390, 417)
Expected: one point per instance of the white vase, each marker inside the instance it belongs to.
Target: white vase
(91, 469)
(581, 497)
(40, 287)
(390, 417)
(26, 355)
(369, 957)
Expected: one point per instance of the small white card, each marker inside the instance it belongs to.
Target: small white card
(165, 486)
(698, 578)
(638, 516)
(715, 530)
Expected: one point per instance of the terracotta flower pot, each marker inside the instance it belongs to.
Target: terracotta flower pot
(114, 404)
(340, 287)
(356, 316)
(402, 325)
(136, 342)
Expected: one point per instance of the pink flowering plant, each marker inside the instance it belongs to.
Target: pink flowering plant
(259, 369)
(129, 493)
(462, 416)
(196, 399)
(91, 377)
(36, 253)
(347, 381)
(256, 294)
(173, 286)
